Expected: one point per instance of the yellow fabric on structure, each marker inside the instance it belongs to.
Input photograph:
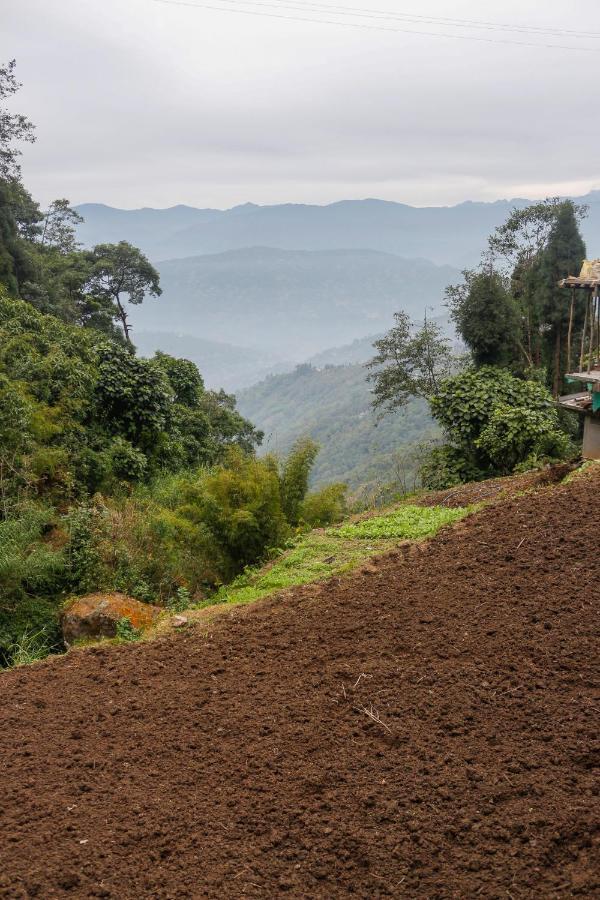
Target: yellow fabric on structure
(590, 270)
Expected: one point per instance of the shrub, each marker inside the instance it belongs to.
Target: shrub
(515, 434)
(294, 478)
(446, 466)
(126, 461)
(241, 504)
(32, 576)
(324, 507)
(495, 422)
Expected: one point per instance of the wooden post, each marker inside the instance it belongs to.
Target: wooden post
(557, 379)
(570, 334)
(583, 333)
(597, 303)
(592, 323)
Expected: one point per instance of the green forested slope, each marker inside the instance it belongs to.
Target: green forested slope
(333, 406)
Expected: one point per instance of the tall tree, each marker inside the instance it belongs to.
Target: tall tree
(409, 363)
(121, 273)
(562, 256)
(18, 212)
(515, 248)
(13, 126)
(59, 224)
(486, 317)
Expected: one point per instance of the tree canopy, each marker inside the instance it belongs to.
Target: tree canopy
(121, 273)
(409, 363)
(519, 327)
(486, 317)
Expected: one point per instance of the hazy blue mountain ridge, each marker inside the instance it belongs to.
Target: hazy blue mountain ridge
(446, 235)
(222, 365)
(290, 304)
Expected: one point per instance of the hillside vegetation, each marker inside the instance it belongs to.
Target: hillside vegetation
(124, 473)
(333, 406)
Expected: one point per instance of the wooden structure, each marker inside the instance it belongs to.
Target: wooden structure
(586, 401)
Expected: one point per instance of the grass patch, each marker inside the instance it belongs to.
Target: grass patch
(322, 554)
(29, 648)
(408, 522)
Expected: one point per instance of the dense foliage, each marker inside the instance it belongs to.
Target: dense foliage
(116, 472)
(511, 312)
(494, 422)
(486, 317)
(520, 328)
(410, 362)
(83, 414)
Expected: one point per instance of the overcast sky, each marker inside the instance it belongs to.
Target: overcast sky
(144, 103)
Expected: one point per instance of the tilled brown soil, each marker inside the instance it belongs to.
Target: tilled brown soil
(497, 488)
(424, 728)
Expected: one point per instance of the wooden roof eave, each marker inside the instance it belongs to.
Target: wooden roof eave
(574, 282)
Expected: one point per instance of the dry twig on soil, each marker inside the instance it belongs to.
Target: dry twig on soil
(373, 715)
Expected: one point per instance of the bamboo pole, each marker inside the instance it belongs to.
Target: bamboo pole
(570, 333)
(584, 332)
(592, 322)
(557, 354)
(597, 328)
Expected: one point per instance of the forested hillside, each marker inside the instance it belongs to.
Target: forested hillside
(125, 473)
(117, 473)
(333, 406)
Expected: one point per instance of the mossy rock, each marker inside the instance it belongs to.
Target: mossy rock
(96, 615)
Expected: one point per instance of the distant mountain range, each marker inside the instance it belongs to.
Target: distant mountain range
(446, 235)
(235, 368)
(290, 304)
(254, 289)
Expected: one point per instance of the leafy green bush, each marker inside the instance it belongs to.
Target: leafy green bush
(324, 507)
(515, 435)
(241, 504)
(446, 466)
(495, 422)
(180, 602)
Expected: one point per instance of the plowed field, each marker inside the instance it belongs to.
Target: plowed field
(427, 727)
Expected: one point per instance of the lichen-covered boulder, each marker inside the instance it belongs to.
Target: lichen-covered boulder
(96, 615)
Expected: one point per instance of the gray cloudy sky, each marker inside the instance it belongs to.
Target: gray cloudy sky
(141, 103)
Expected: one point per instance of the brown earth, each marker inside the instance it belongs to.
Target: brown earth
(497, 488)
(426, 728)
